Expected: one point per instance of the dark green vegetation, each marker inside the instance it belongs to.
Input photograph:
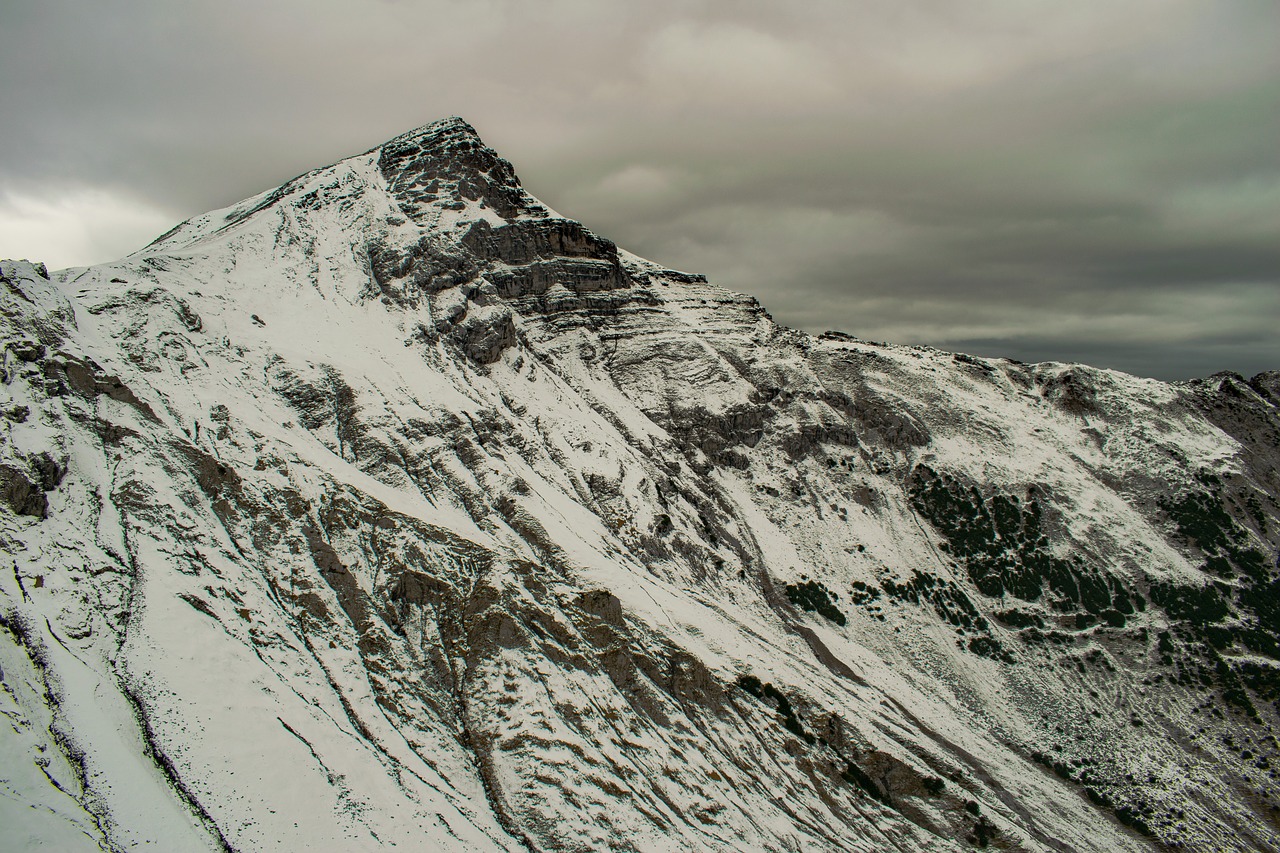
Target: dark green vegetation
(1241, 609)
(935, 786)
(848, 770)
(867, 597)
(855, 775)
(815, 598)
(951, 603)
(983, 830)
(1001, 544)
(766, 692)
(983, 833)
(770, 695)
(1133, 816)
(1018, 619)
(1202, 520)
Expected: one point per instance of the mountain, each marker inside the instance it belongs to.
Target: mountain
(390, 508)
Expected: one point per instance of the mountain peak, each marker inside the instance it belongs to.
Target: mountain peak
(446, 164)
(443, 134)
(400, 511)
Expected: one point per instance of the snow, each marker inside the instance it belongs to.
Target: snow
(513, 599)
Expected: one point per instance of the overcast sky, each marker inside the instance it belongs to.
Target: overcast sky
(1094, 181)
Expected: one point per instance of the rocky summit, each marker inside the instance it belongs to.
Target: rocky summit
(391, 509)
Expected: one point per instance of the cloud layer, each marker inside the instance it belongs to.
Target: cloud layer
(1086, 182)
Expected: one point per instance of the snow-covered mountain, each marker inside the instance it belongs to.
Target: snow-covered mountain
(389, 508)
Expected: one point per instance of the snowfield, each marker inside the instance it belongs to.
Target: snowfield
(390, 508)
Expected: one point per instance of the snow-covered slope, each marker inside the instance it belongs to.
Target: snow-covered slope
(390, 508)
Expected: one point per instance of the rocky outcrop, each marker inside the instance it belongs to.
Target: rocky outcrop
(1267, 384)
(406, 274)
(1073, 390)
(526, 240)
(713, 434)
(445, 166)
(472, 532)
(20, 494)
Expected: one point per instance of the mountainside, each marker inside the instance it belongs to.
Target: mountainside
(391, 508)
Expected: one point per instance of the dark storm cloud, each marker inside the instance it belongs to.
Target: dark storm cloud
(1038, 180)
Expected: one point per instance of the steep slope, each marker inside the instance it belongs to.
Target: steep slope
(390, 507)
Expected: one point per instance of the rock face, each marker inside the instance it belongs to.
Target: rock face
(391, 508)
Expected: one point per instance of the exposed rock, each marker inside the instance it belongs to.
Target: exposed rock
(405, 274)
(713, 434)
(1267, 384)
(49, 472)
(527, 240)
(889, 422)
(27, 351)
(485, 333)
(603, 604)
(493, 537)
(16, 412)
(1072, 390)
(445, 164)
(20, 494)
(86, 378)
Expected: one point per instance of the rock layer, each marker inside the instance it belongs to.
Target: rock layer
(390, 507)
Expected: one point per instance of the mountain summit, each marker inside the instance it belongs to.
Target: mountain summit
(446, 165)
(391, 508)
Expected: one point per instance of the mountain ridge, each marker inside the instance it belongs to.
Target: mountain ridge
(520, 540)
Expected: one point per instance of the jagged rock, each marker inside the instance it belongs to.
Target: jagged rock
(603, 604)
(889, 422)
(309, 397)
(1267, 384)
(49, 471)
(713, 434)
(445, 165)
(485, 333)
(524, 241)
(17, 413)
(493, 537)
(20, 494)
(86, 378)
(1072, 390)
(406, 273)
(28, 351)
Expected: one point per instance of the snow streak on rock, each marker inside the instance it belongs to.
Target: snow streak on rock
(390, 507)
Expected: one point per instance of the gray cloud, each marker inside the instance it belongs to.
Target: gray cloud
(1038, 180)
